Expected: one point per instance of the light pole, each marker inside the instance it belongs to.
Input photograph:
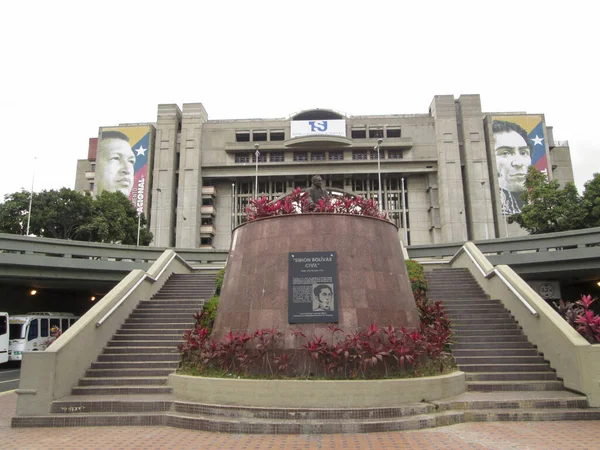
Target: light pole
(139, 225)
(31, 196)
(404, 212)
(232, 206)
(379, 198)
(487, 233)
(257, 154)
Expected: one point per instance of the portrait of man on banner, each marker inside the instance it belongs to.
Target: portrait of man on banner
(515, 149)
(122, 163)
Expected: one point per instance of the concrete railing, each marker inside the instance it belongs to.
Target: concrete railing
(504, 247)
(575, 360)
(20, 254)
(50, 374)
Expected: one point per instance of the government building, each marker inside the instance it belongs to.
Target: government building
(449, 174)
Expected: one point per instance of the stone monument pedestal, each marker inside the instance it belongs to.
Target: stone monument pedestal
(372, 280)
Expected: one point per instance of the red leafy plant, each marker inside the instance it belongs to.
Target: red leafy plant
(580, 316)
(298, 202)
(235, 353)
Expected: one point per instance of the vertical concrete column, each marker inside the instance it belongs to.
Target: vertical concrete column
(162, 218)
(478, 189)
(189, 191)
(451, 197)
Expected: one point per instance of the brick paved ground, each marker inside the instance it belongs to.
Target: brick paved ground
(495, 435)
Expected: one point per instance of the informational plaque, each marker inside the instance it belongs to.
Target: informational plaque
(312, 287)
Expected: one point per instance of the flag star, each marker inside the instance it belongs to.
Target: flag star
(537, 140)
(140, 151)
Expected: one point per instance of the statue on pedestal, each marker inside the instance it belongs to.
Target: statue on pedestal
(316, 191)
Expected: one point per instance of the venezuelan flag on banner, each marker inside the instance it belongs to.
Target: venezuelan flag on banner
(139, 140)
(534, 126)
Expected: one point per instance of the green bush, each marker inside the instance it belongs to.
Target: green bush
(220, 275)
(209, 311)
(416, 276)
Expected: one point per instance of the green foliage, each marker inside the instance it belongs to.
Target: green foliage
(220, 276)
(67, 214)
(548, 208)
(416, 276)
(210, 311)
(591, 201)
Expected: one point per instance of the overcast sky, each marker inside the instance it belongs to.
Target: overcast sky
(71, 67)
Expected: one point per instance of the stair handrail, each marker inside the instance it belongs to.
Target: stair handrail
(152, 277)
(491, 271)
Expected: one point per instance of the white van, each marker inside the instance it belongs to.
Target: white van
(3, 337)
(31, 332)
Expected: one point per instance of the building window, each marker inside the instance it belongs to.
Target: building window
(93, 168)
(206, 241)
(394, 154)
(375, 132)
(259, 136)
(317, 156)
(91, 186)
(359, 133)
(242, 158)
(393, 133)
(276, 157)
(277, 135)
(242, 136)
(300, 156)
(262, 157)
(359, 154)
(336, 156)
(381, 154)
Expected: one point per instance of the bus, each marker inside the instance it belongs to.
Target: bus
(31, 332)
(3, 337)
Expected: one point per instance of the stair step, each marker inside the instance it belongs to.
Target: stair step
(137, 341)
(469, 345)
(121, 350)
(123, 381)
(504, 368)
(533, 385)
(139, 357)
(121, 390)
(331, 426)
(137, 365)
(80, 406)
(473, 334)
(511, 376)
(476, 360)
(496, 352)
(118, 373)
(91, 420)
(491, 415)
(168, 333)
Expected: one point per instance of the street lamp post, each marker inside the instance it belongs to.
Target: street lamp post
(257, 154)
(31, 196)
(379, 198)
(139, 226)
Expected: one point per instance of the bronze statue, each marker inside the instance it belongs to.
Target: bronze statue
(316, 191)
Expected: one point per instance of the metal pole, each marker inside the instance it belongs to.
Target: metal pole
(139, 225)
(31, 196)
(404, 212)
(232, 206)
(379, 197)
(257, 154)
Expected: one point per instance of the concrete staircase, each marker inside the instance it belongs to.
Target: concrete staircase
(507, 379)
(490, 347)
(130, 376)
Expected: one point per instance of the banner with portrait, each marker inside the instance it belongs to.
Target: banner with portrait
(519, 141)
(122, 162)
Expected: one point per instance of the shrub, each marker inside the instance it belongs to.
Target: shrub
(298, 203)
(219, 281)
(206, 318)
(580, 316)
(416, 276)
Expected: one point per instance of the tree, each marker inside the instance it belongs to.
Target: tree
(13, 213)
(547, 207)
(115, 220)
(67, 214)
(591, 201)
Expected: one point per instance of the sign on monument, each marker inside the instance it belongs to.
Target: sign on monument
(312, 287)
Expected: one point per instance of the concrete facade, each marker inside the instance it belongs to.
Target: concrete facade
(438, 170)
